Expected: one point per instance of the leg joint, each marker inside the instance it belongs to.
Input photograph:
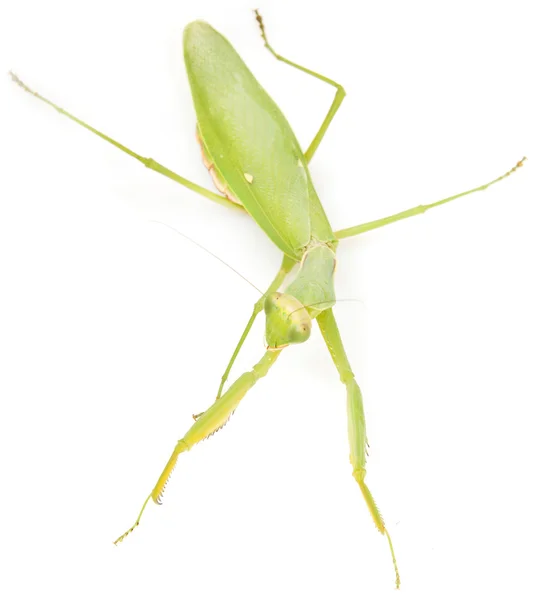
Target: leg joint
(359, 474)
(347, 377)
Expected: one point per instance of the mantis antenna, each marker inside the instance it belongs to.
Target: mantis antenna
(325, 302)
(210, 253)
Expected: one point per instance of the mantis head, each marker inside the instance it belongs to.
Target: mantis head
(287, 321)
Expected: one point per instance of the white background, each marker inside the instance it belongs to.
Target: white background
(115, 329)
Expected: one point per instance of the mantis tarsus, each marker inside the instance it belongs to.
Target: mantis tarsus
(259, 167)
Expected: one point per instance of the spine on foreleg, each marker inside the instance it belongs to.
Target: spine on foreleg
(213, 419)
(159, 489)
(357, 434)
(358, 441)
(359, 476)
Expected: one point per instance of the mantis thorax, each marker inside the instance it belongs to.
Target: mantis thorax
(289, 315)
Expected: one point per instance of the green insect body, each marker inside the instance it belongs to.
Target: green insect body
(313, 284)
(258, 166)
(270, 177)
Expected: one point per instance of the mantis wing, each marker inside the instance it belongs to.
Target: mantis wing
(248, 139)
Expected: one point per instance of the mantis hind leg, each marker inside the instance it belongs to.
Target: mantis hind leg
(357, 435)
(211, 421)
(150, 163)
(418, 210)
(339, 94)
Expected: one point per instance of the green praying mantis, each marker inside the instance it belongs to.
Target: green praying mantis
(258, 167)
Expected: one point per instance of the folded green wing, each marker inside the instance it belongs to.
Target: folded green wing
(248, 139)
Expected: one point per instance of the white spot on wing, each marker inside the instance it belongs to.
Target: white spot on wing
(248, 177)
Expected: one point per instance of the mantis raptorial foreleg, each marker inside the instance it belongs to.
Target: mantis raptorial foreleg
(339, 94)
(418, 210)
(150, 163)
(357, 435)
(286, 267)
(209, 422)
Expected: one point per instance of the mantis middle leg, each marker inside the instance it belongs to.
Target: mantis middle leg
(357, 435)
(150, 163)
(339, 94)
(417, 210)
(209, 423)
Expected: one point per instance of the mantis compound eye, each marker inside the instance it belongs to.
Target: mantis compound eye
(300, 332)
